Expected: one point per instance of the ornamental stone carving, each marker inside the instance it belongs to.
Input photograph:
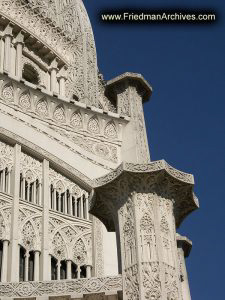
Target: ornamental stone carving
(42, 108)
(93, 125)
(59, 114)
(66, 287)
(25, 100)
(6, 156)
(143, 204)
(8, 92)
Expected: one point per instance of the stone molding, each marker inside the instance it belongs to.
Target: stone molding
(63, 287)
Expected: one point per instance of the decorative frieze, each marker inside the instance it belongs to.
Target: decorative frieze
(64, 287)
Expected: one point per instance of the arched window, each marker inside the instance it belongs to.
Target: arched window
(22, 264)
(53, 268)
(30, 74)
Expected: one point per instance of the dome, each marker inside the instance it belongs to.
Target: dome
(63, 27)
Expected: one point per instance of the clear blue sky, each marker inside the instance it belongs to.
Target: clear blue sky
(185, 118)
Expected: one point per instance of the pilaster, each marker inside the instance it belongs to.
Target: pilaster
(13, 263)
(45, 258)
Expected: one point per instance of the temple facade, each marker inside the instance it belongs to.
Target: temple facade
(84, 212)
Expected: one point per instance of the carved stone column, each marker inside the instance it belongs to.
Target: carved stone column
(184, 246)
(45, 273)
(7, 51)
(129, 91)
(68, 269)
(13, 264)
(19, 42)
(36, 265)
(144, 204)
(53, 72)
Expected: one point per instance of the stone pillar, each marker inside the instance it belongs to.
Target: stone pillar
(9, 182)
(19, 42)
(44, 271)
(78, 272)
(27, 255)
(75, 205)
(147, 202)
(58, 269)
(24, 188)
(68, 269)
(7, 51)
(2, 52)
(129, 91)
(13, 263)
(36, 265)
(40, 194)
(3, 181)
(35, 192)
(184, 246)
(53, 72)
(71, 204)
(4, 261)
(82, 207)
(87, 206)
(62, 81)
(88, 271)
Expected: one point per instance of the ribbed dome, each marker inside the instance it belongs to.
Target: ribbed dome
(64, 27)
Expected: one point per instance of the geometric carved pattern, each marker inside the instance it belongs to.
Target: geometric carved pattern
(6, 156)
(30, 168)
(63, 287)
(8, 92)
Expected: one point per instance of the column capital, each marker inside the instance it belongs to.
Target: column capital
(19, 38)
(5, 240)
(156, 177)
(8, 30)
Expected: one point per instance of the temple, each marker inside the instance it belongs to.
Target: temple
(84, 212)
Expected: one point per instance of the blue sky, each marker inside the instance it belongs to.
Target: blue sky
(185, 120)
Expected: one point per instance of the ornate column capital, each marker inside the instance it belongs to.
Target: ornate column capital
(144, 203)
(156, 177)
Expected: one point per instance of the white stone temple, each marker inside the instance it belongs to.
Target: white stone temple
(84, 212)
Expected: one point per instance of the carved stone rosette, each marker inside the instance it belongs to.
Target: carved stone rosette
(143, 205)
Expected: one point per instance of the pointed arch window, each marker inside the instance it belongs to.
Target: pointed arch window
(30, 74)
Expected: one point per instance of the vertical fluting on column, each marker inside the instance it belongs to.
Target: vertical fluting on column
(13, 264)
(184, 246)
(4, 261)
(44, 271)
